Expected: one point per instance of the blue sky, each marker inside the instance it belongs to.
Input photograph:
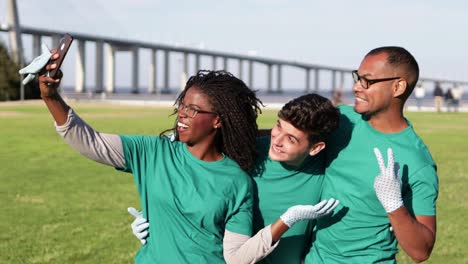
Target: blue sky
(328, 32)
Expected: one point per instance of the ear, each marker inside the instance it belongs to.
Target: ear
(316, 148)
(217, 122)
(400, 88)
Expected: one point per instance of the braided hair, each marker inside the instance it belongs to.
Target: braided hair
(238, 108)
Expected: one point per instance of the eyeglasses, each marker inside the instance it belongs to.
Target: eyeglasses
(192, 112)
(365, 83)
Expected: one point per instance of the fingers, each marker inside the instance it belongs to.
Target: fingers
(48, 80)
(55, 55)
(333, 205)
(25, 70)
(389, 169)
(141, 228)
(329, 206)
(390, 162)
(138, 221)
(28, 78)
(380, 161)
(321, 204)
(142, 235)
(47, 68)
(134, 212)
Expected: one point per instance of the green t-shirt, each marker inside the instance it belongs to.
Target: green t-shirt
(279, 187)
(358, 231)
(189, 202)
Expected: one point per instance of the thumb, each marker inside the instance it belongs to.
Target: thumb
(134, 212)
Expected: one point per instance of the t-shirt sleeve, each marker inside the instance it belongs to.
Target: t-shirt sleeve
(133, 149)
(240, 221)
(421, 197)
(138, 151)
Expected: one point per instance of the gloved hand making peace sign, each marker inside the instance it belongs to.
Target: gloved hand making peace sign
(387, 184)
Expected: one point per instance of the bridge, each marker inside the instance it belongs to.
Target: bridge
(105, 50)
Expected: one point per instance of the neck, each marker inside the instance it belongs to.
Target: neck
(295, 164)
(205, 151)
(388, 122)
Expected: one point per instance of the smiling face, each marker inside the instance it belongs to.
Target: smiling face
(379, 96)
(289, 144)
(200, 129)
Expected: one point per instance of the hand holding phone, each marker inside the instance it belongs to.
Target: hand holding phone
(62, 49)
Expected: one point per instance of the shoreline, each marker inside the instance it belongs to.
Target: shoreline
(151, 102)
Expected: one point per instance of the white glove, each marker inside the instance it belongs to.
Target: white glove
(308, 212)
(387, 184)
(171, 137)
(36, 65)
(140, 225)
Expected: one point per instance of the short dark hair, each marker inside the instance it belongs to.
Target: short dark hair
(238, 108)
(312, 114)
(399, 57)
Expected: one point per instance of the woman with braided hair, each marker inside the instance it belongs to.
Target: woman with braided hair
(237, 107)
(193, 189)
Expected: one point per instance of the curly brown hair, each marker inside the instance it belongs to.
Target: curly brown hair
(313, 114)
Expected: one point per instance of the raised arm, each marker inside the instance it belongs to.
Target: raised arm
(416, 235)
(101, 147)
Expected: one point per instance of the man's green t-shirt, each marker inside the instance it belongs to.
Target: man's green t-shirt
(189, 202)
(359, 229)
(279, 187)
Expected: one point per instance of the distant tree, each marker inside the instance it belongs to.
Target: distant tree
(10, 79)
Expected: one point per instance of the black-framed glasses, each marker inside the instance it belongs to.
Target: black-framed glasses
(192, 112)
(365, 83)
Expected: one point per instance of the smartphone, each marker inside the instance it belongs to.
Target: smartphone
(62, 49)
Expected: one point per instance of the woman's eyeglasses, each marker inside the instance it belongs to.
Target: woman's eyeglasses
(192, 112)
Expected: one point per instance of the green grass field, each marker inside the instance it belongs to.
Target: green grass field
(59, 207)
